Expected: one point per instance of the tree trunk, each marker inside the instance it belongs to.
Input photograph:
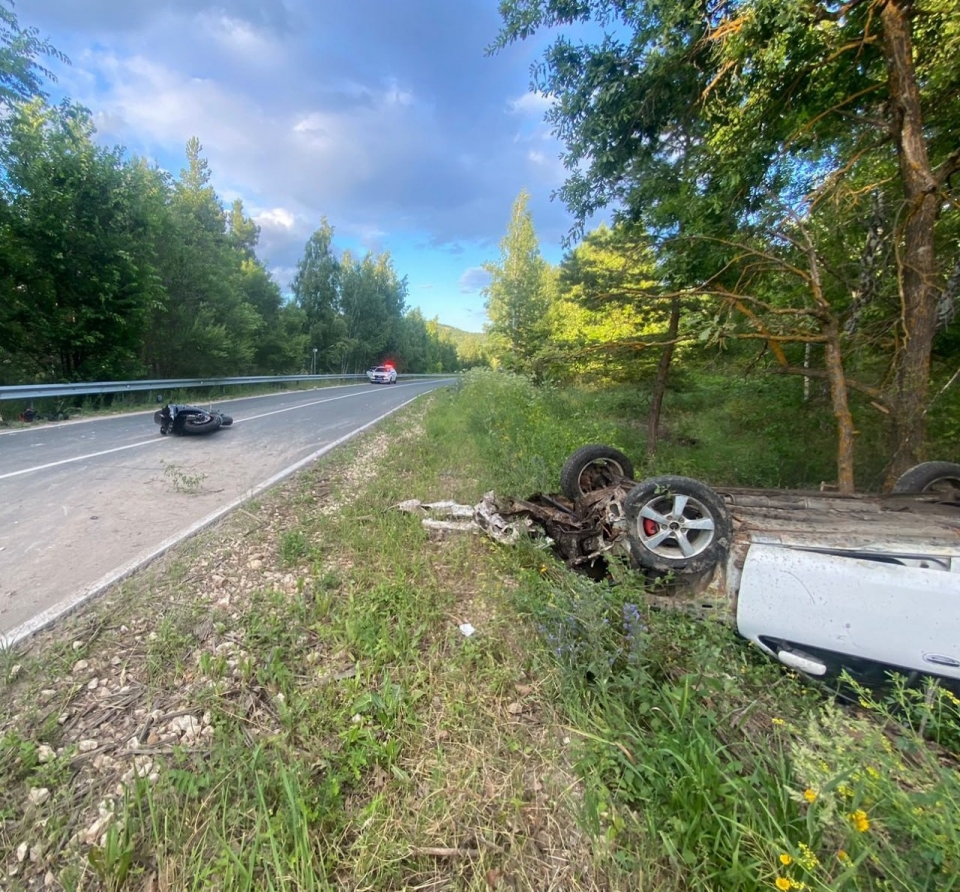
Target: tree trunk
(918, 286)
(839, 399)
(660, 385)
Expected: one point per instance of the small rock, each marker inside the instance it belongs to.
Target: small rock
(78, 645)
(36, 853)
(254, 564)
(187, 726)
(99, 826)
(15, 672)
(142, 766)
(38, 795)
(87, 745)
(115, 661)
(92, 684)
(22, 850)
(49, 881)
(80, 666)
(515, 708)
(103, 762)
(45, 754)
(47, 694)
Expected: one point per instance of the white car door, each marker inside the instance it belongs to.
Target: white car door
(810, 608)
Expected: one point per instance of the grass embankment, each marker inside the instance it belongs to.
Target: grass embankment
(288, 702)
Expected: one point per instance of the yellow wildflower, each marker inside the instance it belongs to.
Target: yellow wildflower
(844, 790)
(782, 883)
(808, 860)
(810, 795)
(873, 772)
(860, 820)
(786, 859)
(843, 856)
(777, 721)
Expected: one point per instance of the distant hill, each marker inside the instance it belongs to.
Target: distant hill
(471, 346)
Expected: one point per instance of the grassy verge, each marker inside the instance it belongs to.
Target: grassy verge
(288, 702)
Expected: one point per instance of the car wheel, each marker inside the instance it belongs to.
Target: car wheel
(678, 524)
(593, 467)
(941, 477)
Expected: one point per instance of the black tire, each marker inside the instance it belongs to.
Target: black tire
(593, 467)
(942, 477)
(200, 424)
(677, 524)
(226, 420)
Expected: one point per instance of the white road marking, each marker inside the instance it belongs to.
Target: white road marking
(154, 440)
(52, 614)
(67, 461)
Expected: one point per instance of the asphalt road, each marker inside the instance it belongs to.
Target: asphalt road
(84, 503)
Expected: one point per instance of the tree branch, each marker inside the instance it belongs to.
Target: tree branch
(823, 374)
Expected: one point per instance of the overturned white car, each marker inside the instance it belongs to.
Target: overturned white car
(824, 582)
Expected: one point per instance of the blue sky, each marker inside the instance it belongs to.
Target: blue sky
(385, 116)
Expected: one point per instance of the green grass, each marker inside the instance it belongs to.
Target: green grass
(344, 733)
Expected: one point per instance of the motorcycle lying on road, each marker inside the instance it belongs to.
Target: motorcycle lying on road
(188, 420)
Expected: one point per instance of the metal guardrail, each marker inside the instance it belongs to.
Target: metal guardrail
(36, 391)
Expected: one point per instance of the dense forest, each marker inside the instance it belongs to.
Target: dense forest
(113, 269)
(783, 180)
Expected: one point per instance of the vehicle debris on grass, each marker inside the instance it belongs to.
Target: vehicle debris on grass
(825, 583)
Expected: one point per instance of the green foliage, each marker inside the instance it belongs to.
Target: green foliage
(470, 347)
(112, 270)
(21, 75)
(78, 280)
(519, 295)
(523, 433)
(754, 141)
(354, 313)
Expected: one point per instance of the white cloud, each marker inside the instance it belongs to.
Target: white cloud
(532, 103)
(474, 279)
(284, 276)
(241, 38)
(276, 218)
(385, 117)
